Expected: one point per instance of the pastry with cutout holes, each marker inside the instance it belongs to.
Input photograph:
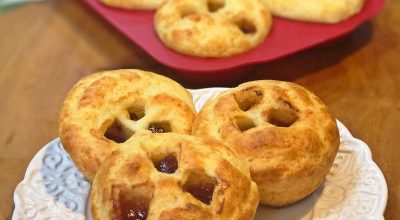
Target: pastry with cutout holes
(105, 109)
(212, 28)
(133, 4)
(173, 176)
(283, 130)
(323, 11)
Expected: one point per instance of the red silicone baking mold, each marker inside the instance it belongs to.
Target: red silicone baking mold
(286, 37)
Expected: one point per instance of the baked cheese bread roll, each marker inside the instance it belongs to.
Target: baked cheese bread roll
(173, 176)
(133, 4)
(324, 11)
(284, 131)
(105, 109)
(212, 28)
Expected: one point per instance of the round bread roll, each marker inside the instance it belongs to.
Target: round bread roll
(133, 4)
(283, 130)
(173, 176)
(105, 109)
(324, 11)
(212, 28)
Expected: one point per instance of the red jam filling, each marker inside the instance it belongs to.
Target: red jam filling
(133, 116)
(114, 132)
(201, 191)
(130, 209)
(168, 164)
(156, 129)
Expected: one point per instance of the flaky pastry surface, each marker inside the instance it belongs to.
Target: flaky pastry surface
(130, 172)
(212, 28)
(325, 11)
(284, 131)
(105, 109)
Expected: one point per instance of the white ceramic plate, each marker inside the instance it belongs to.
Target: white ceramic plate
(53, 188)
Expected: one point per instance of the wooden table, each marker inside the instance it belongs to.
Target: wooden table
(46, 47)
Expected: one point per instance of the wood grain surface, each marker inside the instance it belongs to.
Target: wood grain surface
(46, 47)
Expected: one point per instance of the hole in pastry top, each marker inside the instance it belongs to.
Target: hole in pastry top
(248, 97)
(200, 186)
(281, 117)
(128, 205)
(159, 127)
(136, 112)
(187, 12)
(215, 5)
(117, 132)
(244, 123)
(165, 163)
(246, 26)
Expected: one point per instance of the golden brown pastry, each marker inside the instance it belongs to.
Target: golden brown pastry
(105, 109)
(283, 130)
(325, 11)
(212, 28)
(133, 4)
(173, 176)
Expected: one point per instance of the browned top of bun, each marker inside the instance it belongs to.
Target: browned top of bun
(105, 109)
(283, 130)
(212, 28)
(133, 173)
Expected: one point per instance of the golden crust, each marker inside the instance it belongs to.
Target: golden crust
(97, 101)
(133, 4)
(284, 131)
(212, 28)
(131, 170)
(325, 11)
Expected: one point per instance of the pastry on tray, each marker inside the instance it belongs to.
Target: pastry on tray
(324, 11)
(284, 131)
(133, 4)
(212, 28)
(105, 109)
(173, 176)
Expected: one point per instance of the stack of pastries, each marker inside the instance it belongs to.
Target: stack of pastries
(136, 136)
(222, 28)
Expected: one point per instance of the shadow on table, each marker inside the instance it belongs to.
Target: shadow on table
(317, 58)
